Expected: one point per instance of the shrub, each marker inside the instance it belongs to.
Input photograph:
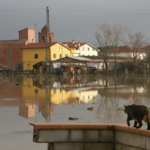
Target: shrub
(130, 66)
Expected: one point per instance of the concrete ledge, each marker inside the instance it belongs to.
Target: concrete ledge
(125, 128)
(68, 146)
(137, 141)
(93, 136)
(53, 136)
(147, 143)
(107, 136)
(125, 147)
(72, 126)
(99, 146)
(122, 137)
(84, 135)
(92, 126)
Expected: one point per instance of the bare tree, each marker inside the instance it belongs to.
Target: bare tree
(117, 38)
(138, 42)
(104, 39)
(146, 61)
(109, 39)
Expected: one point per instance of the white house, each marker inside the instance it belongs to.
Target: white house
(127, 51)
(88, 50)
(81, 49)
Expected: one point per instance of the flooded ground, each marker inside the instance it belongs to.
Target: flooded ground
(26, 99)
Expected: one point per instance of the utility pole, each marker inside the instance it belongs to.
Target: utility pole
(48, 66)
(48, 47)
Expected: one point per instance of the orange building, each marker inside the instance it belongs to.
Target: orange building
(10, 50)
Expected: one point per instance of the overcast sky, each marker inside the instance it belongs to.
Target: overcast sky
(78, 19)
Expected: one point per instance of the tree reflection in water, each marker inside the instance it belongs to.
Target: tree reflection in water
(136, 92)
(108, 104)
(140, 90)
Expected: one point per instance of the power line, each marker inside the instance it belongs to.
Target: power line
(99, 11)
(79, 10)
(69, 6)
(18, 5)
(21, 9)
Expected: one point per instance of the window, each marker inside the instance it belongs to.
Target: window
(60, 49)
(88, 48)
(66, 55)
(60, 55)
(60, 90)
(36, 91)
(54, 90)
(54, 55)
(36, 56)
(83, 48)
(42, 39)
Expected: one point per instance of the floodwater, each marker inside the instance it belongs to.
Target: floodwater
(26, 99)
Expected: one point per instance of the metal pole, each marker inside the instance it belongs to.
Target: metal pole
(48, 66)
(48, 40)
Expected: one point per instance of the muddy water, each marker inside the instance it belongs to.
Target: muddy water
(24, 100)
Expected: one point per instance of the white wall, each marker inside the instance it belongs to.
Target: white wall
(128, 54)
(87, 52)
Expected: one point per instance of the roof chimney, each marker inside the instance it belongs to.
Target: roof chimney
(78, 44)
(75, 44)
(72, 41)
(65, 44)
(130, 44)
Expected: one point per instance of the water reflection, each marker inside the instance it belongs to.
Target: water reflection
(58, 98)
(27, 109)
(109, 93)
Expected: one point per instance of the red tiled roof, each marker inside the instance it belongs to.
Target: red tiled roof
(147, 48)
(128, 49)
(72, 45)
(38, 45)
(124, 49)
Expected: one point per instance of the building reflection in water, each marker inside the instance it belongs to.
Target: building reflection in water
(109, 91)
(27, 109)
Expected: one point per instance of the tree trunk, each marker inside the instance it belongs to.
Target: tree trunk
(106, 67)
(135, 68)
(115, 66)
(149, 68)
